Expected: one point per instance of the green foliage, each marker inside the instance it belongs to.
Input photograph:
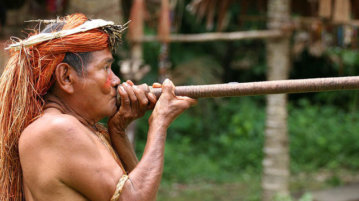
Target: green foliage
(347, 57)
(305, 197)
(188, 164)
(323, 137)
(214, 143)
(220, 140)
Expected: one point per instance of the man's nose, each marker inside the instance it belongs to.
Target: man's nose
(115, 80)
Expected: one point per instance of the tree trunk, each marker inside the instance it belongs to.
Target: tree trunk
(275, 178)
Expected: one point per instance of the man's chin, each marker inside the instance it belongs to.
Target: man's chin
(111, 109)
(112, 113)
(114, 110)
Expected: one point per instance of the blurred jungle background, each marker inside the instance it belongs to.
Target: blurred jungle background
(274, 147)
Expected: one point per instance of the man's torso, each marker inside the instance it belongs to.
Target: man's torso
(52, 162)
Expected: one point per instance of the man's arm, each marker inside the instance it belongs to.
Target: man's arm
(124, 149)
(144, 180)
(134, 103)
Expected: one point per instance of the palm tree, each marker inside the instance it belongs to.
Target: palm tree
(275, 176)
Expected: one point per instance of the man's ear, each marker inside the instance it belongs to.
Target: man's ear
(66, 76)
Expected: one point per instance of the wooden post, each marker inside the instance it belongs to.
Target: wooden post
(341, 11)
(275, 178)
(136, 51)
(325, 8)
(136, 57)
(164, 27)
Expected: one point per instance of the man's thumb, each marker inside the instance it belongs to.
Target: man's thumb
(168, 86)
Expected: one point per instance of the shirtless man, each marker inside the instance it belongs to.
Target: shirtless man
(62, 155)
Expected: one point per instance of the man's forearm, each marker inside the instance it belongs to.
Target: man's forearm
(147, 174)
(124, 149)
(145, 179)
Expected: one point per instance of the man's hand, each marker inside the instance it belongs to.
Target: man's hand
(134, 104)
(169, 106)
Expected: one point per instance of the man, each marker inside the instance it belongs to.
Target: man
(55, 93)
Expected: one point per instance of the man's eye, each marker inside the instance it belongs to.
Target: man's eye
(107, 67)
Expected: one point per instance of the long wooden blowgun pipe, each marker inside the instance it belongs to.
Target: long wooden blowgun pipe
(262, 88)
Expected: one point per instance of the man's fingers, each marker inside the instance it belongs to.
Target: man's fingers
(141, 97)
(153, 99)
(130, 92)
(125, 100)
(168, 87)
(133, 98)
(130, 82)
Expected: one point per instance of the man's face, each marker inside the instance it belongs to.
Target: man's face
(97, 87)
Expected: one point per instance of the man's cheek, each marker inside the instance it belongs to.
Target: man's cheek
(108, 82)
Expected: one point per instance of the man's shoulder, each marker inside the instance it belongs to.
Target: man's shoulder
(51, 123)
(50, 129)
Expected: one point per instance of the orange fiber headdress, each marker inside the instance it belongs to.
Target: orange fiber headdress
(26, 78)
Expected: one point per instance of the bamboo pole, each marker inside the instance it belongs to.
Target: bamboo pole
(206, 37)
(263, 87)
